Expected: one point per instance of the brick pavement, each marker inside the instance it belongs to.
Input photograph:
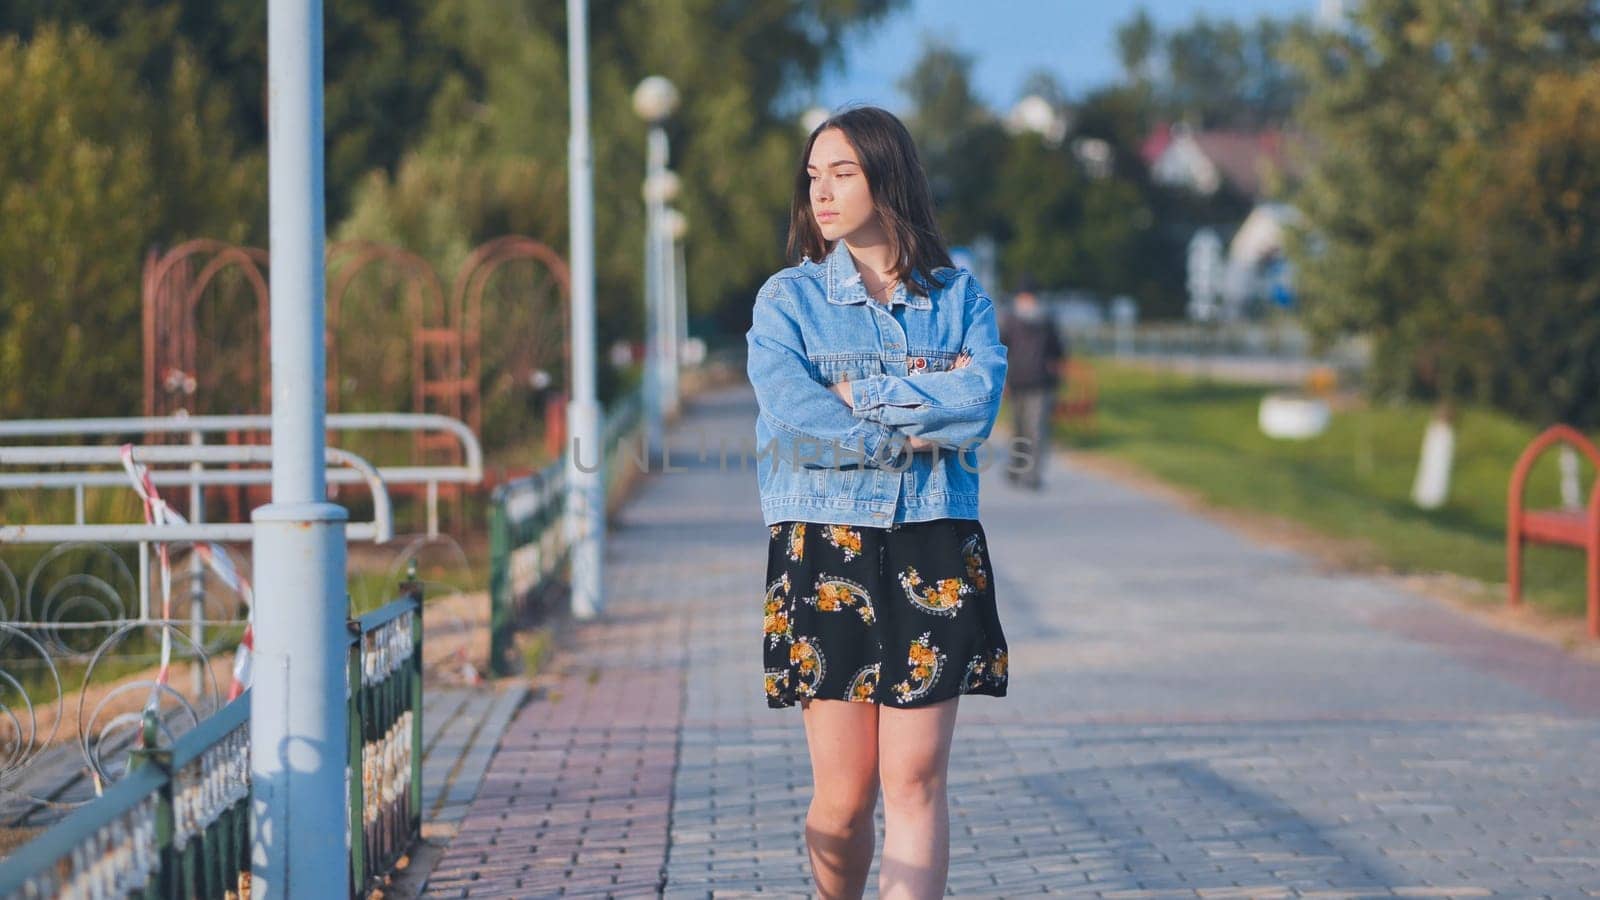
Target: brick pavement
(1191, 715)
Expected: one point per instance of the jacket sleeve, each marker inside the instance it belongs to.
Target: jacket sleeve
(955, 407)
(811, 426)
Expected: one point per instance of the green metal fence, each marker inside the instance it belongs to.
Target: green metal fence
(385, 687)
(527, 539)
(178, 824)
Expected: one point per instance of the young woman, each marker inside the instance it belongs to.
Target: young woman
(878, 369)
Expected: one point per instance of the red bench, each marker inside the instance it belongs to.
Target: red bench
(1564, 527)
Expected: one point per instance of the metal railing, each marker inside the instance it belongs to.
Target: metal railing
(527, 538)
(178, 824)
(385, 685)
(1264, 340)
(196, 427)
(380, 529)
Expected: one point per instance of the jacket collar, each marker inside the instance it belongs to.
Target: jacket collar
(845, 288)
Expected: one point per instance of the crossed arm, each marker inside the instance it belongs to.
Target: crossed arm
(880, 412)
(953, 408)
(845, 391)
(798, 410)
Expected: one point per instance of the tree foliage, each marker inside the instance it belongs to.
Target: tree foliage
(92, 171)
(139, 125)
(499, 123)
(1396, 106)
(1530, 235)
(1212, 73)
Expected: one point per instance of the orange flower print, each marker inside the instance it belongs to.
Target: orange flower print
(834, 594)
(775, 529)
(777, 682)
(805, 660)
(985, 669)
(797, 541)
(926, 662)
(775, 613)
(844, 538)
(864, 686)
(942, 599)
(972, 552)
(977, 671)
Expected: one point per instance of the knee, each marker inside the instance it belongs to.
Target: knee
(842, 809)
(913, 787)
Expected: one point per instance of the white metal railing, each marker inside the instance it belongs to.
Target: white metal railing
(355, 470)
(380, 529)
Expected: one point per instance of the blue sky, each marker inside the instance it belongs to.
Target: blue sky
(1075, 39)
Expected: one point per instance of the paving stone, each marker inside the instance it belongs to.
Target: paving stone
(1191, 714)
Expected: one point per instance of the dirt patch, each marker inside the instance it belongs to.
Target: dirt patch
(12, 838)
(455, 639)
(1485, 603)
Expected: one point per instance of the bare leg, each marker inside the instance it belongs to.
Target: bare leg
(843, 740)
(913, 763)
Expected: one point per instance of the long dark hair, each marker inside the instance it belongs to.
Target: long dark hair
(900, 196)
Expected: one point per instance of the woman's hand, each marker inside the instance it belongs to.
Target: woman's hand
(842, 390)
(917, 443)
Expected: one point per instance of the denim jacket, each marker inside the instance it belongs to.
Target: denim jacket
(818, 459)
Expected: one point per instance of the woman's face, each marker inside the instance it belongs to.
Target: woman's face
(841, 199)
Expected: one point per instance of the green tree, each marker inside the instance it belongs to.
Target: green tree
(93, 172)
(492, 156)
(382, 65)
(1390, 101)
(1531, 236)
(1213, 73)
(1136, 46)
(961, 143)
(1065, 228)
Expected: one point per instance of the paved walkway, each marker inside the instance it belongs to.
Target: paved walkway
(1190, 715)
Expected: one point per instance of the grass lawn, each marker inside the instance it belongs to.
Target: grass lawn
(1352, 482)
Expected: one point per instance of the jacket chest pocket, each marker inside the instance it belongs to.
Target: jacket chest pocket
(831, 369)
(921, 361)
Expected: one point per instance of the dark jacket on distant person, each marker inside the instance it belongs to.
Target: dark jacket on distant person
(1033, 350)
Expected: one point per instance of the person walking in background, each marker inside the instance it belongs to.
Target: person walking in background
(878, 370)
(1037, 367)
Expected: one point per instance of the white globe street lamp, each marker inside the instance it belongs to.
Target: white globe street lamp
(813, 118)
(661, 187)
(655, 99)
(676, 223)
(1036, 114)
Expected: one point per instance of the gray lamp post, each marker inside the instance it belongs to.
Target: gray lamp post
(299, 811)
(654, 100)
(664, 189)
(586, 510)
(676, 225)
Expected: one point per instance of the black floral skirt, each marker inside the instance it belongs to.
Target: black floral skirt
(903, 616)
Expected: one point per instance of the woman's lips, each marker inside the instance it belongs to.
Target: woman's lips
(827, 216)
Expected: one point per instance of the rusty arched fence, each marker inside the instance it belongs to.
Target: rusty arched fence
(190, 368)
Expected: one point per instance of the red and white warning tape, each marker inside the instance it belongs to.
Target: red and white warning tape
(157, 512)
